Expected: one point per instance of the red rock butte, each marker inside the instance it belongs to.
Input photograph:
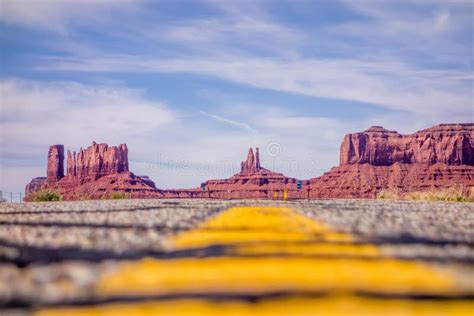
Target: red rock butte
(370, 161)
(378, 159)
(253, 181)
(95, 172)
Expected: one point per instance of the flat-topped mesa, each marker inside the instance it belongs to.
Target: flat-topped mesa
(251, 164)
(377, 159)
(55, 167)
(97, 161)
(452, 144)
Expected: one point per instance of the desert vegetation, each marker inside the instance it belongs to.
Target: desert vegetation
(455, 193)
(116, 195)
(45, 196)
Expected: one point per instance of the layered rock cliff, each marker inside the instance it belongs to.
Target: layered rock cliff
(451, 144)
(378, 159)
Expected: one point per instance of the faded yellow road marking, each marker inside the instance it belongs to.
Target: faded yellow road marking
(297, 306)
(261, 275)
(256, 224)
(249, 230)
(253, 239)
(306, 248)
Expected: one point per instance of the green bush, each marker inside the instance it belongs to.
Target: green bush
(46, 196)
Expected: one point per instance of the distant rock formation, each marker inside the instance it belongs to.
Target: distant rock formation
(446, 143)
(378, 159)
(370, 161)
(94, 172)
(253, 181)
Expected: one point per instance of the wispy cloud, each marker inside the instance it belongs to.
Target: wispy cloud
(57, 15)
(411, 31)
(388, 66)
(386, 83)
(237, 124)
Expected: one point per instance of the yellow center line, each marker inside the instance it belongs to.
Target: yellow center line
(256, 224)
(336, 305)
(273, 250)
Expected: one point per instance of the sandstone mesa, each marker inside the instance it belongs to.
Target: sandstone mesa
(378, 159)
(370, 161)
(92, 173)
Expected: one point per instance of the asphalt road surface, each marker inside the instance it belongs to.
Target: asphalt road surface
(213, 257)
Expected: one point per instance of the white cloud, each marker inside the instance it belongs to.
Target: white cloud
(426, 27)
(390, 84)
(74, 114)
(242, 27)
(244, 43)
(57, 15)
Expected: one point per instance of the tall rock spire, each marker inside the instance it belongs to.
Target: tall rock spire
(71, 164)
(252, 164)
(257, 159)
(55, 169)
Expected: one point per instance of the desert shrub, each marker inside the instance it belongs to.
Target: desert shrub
(118, 196)
(422, 196)
(456, 193)
(46, 196)
(388, 195)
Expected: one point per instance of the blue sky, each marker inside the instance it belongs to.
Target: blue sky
(190, 85)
